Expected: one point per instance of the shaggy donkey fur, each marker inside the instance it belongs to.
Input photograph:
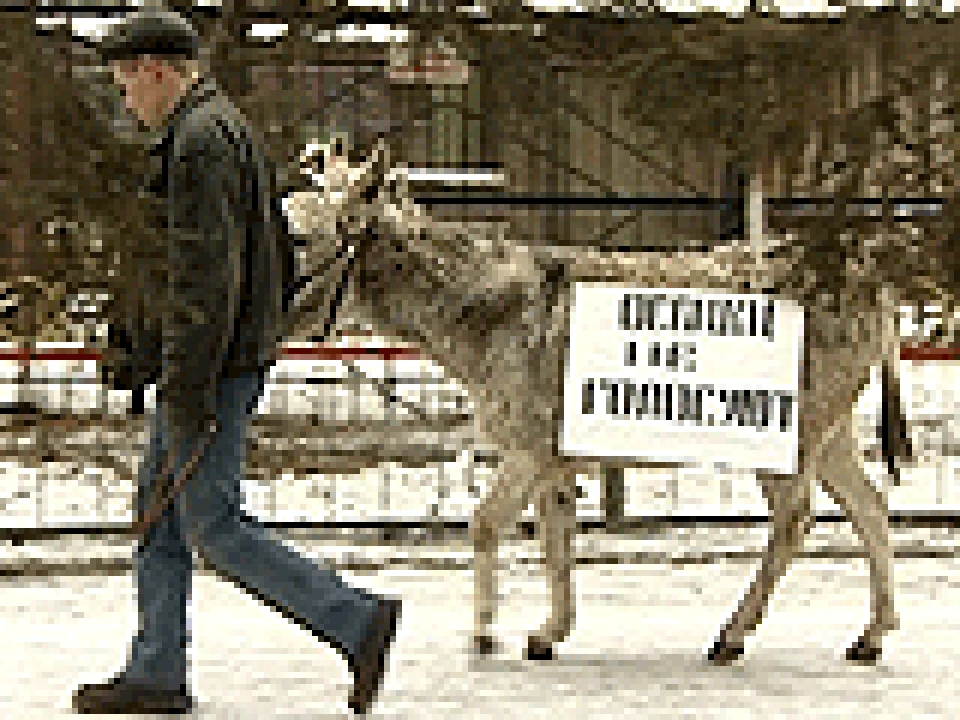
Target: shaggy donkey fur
(495, 314)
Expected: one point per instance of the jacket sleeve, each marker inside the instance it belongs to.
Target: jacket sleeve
(131, 358)
(205, 242)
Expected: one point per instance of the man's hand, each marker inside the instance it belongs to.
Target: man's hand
(116, 361)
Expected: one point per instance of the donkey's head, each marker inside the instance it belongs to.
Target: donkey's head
(342, 201)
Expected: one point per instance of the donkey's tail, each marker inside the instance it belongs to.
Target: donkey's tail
(895, 443)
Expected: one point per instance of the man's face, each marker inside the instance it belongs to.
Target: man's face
(150, 87)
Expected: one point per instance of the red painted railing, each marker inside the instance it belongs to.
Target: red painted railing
(926, 353)
(320, 352)
(914, 353)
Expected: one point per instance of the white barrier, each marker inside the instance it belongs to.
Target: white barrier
(57, 494)
(325, 392)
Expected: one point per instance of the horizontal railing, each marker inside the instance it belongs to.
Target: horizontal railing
(913, 353)
(315, 353)
(341, 454)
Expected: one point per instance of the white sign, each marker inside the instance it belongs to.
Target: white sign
(683, 376)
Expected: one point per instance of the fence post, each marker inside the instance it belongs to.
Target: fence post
(614, 493)
(38, 476)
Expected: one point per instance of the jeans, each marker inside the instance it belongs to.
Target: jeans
(208, 517)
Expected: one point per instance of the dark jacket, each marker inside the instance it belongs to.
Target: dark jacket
(216, 313)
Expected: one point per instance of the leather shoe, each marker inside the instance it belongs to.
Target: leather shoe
(122, 696)
(370, 661)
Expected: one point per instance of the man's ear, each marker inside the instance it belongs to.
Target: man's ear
(149, 64)
(157, 68)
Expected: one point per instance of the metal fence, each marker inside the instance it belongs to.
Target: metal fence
(356, 434)
(370, 435)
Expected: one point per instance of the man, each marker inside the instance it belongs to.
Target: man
(220, 308)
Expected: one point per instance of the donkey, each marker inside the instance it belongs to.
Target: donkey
(495, 315)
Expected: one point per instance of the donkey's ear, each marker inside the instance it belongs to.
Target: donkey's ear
(379, 161)
(312, 160)
(381, 149)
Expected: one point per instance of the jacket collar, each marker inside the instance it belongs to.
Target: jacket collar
(195, 94)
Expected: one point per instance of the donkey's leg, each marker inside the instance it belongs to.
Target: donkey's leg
(789, 499)
(557, 510)
(844, 479)
(511, 493)
(834, 387)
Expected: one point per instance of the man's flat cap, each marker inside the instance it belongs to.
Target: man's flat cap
(150, 32)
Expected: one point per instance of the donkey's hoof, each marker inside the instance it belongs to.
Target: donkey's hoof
(484, 645)
(723, 654)
(538, 649)
(863, 652)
